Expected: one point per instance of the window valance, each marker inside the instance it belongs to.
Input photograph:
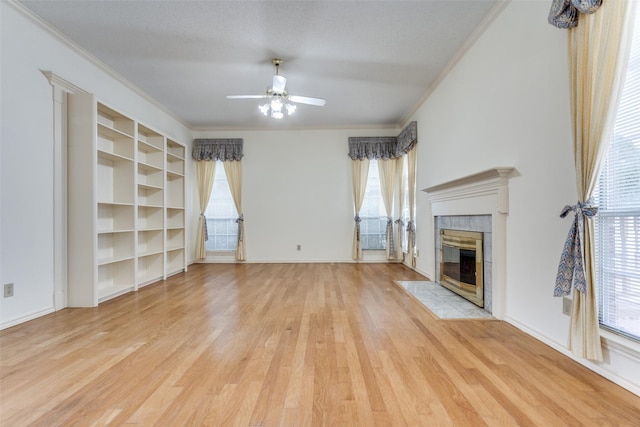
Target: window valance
(372, 147)
(565, 13)
(223, 149)
(407, 139)
(384, 147)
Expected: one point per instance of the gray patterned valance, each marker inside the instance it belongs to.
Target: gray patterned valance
(383, 147)
(407, 139)
(565, 13)
(223, 149)
(372, 147)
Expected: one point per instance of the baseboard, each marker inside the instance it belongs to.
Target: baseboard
(26, 318)
(295, 261)
(599, 369)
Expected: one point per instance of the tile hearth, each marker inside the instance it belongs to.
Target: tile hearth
(442, 302)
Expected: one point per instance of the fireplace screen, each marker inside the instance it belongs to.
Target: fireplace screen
(461, 264)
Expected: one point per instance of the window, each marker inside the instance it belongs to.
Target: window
(404, 215)
(617, 224)
(221, 214)
(373, 228)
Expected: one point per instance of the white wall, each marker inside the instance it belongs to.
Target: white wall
(297, 190)
(27, 152)
(506, 104)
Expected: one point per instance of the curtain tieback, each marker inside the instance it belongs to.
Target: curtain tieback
(390, 233)
(571, 267)
(204, 226)
(240, 222)
(358, 220)
(399, 222)
(410, 228)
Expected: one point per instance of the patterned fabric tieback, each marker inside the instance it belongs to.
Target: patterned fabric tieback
(411, 233)
(564, 13)
(204, 227)
(571, 267)
(240, 222)
(390, 233)
(358, 220)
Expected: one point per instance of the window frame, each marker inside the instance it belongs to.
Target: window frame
(614, 252)
(371, 180)
(220, 172)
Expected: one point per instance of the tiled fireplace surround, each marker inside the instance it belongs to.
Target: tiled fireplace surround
(478, 202)
(481, 223)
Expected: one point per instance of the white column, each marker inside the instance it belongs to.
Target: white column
(60, 89)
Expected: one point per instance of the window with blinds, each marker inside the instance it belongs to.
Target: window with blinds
(617, 224)
(221, 213)
(373, 216)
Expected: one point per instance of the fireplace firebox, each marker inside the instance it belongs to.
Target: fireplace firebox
(461, 264)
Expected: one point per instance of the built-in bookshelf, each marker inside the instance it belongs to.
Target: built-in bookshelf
(125, 203)
(175, 184)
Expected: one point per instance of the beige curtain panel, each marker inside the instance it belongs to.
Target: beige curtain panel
(387, 171)
(411, 227)
(205, 171)
(233, 171)
(400, 185)
(598, 53)
(359, 175)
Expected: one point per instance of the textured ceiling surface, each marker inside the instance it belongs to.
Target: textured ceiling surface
(373, 61)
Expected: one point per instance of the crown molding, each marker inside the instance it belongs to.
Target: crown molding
(486, 22)
(57, 81)
(55, 33)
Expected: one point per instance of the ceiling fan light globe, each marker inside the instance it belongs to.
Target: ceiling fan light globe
(264, 109)
(277, 114)
(291, 108)
(276, 104)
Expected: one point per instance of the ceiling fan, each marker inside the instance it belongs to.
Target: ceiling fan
(278, 97)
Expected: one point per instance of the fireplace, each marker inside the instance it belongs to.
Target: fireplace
(461, 264)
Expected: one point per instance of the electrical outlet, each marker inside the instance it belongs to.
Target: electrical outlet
(299, 247)
(566, 305)
(8, 290)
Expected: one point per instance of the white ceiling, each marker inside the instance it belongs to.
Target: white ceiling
(373, 61)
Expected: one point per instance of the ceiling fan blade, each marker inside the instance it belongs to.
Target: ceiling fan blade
(279, 82)
(307, 100)
(246, 96)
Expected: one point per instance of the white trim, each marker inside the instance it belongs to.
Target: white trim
(482, 193)
(620, 344)
(619, 349)
(26, 318)
(60, 89)
(298, 261)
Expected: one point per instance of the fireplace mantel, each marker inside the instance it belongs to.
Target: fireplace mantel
(492, 182)
(482, 193)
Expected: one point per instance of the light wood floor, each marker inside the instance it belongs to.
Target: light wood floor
(291, 345)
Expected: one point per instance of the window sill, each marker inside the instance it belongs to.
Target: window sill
(220, 256)
(621, 344)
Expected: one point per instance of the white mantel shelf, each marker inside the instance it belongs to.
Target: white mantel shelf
(491, 182)
(488, 175)
(482, 193)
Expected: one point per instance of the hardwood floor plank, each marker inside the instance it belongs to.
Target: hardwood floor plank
(290, 345)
